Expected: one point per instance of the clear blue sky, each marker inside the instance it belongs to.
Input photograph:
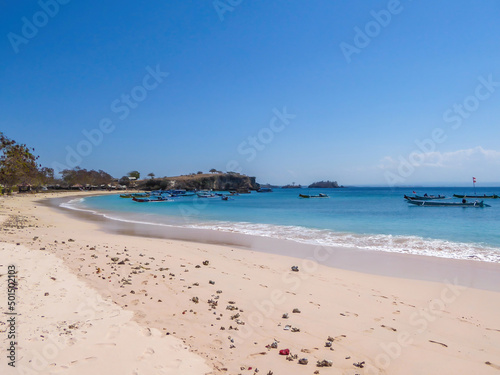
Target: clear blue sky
(231, 67)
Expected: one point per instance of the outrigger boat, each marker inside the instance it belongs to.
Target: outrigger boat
(206, 195)
(424, 197)
(135, 195)
(181, 193)
(153, 199)
(320, 195)
(475, 195)
(494, 196)
(446, 204)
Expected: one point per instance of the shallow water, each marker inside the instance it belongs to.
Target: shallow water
(367, 218)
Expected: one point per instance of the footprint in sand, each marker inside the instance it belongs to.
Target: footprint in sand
(147, 353)
(113, 332)
(108, 344)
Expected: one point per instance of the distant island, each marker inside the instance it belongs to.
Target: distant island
(292, 186)
(269, 186)
(325, 185)
(203, 181)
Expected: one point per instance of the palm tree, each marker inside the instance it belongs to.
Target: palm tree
(152, 175)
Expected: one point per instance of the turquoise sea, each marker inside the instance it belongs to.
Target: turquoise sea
(375, 219)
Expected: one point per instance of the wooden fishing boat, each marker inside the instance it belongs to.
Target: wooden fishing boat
(181, 193)
(424, 197)
(448, 204)
(135, 195)
(152, 199)
(140, 195)
(206, 195)
(320, 195)
(494, 196)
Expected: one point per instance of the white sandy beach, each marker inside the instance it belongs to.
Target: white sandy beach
(97, 302)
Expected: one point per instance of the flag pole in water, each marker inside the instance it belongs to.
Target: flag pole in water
(474, 184)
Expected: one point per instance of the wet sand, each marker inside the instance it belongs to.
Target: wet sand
(475, 274)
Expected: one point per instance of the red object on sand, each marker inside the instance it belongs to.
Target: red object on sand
(284, 351)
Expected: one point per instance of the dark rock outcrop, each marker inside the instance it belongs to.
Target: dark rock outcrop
(324, 184)
(219, 181)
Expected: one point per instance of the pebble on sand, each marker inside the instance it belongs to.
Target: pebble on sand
(324, 363)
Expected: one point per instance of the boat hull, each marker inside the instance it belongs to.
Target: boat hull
(423, 198)
(150, 200)
(313, 196)
(447, 204)
(494, 196)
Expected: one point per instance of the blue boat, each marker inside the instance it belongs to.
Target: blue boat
(151, 199)
(206, 194)
(181, 193)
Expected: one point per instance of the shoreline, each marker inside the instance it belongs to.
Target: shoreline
(404, 243)
(469, 273)
(226, 303)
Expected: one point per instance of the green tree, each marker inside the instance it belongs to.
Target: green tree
(213, 170)
(17, 163)
(124, 181)
(85, 177)
(152, 175)
(45, 176)
(135, 174)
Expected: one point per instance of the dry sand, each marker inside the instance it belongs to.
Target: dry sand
(121, 304)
